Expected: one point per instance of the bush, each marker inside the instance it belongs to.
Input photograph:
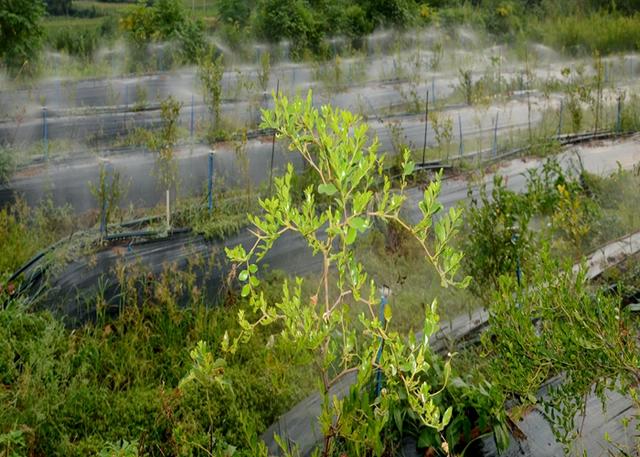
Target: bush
(165, 20)
(117, 384)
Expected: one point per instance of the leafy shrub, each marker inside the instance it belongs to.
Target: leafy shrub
(165, 20)
(20, 32)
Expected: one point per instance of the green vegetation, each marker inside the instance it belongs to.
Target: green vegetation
(24, 231)
(159, 371)
(165, 21)
(418, 397)
(78, 27)
(123, 383)
(20, 33)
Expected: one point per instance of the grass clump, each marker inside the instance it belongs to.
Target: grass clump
(24, 231)
(117, 384)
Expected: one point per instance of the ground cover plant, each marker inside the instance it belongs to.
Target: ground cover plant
(123, 383)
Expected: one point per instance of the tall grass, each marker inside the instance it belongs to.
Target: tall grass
(579, 35)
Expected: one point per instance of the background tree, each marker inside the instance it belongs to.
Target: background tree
(58, 7)
(20, 31)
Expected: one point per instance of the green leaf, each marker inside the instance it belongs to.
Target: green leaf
(327, 189)
(447, 416)
(428, 438)
(246, 289)
(408, 168)
(243, 276)
(351, 235)
(253, 268)
(397, 417)
(358, 223)
(387, 312)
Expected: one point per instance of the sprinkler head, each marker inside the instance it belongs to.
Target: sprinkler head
(385, 291)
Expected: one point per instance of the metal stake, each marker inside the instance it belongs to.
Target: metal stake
(210, 182)
(461, 137)
(45, 133)
(619, 115)
(495, 137)
(192, 115)
(273, 146)
(561, 114)
(426, 126)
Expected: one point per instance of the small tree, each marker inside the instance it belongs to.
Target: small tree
(164, 145)
(333, 143)
(107, 194)
(443, 131)
(264, 72)
(210, 73)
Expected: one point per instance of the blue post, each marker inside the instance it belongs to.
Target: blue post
(495, 137)
(561, 114)
(192, 115)
(210, 181)
(383, 303)
(514, 239)
(45, 133)
(461, 137)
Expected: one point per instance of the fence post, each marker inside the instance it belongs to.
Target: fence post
(495, 136)
(426, 126)
(168, 204)
(45, 133)
(433, 91)
(210, 182)
(619, 115)
(192, 115)
(126, 108)
(561, 115)
(461, 148)
(103, 213)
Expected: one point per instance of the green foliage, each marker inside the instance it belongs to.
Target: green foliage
(165, 20)
(210, 72)
(234, 11)
(583, 35)
(555, 325)
(20, 32)
(6, 164)
(128, 386)
(319, 326)
(165, 140)
(24, 231)
(497, 224)
(108, 192)
(58, 6)
(294, 20)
